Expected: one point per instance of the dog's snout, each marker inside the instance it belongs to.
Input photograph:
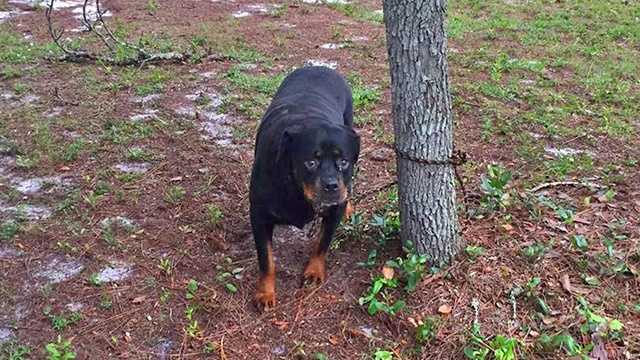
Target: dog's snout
(331, 185)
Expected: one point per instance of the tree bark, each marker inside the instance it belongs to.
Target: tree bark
(423, 126)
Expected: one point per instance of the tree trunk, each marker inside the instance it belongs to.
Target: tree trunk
(423, 126)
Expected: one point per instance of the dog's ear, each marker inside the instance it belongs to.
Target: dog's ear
(285, 141)
(355, 142)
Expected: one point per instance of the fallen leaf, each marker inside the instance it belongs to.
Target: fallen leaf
(548, 320)
(64, 168)
(444, 309)
(508, 227)
(333, 340)
(139, 299)
(177, 178)
(566, 284)
(388, 272)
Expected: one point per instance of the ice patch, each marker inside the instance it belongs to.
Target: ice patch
(6, 335)
(74, 306)
(332, 46)
(28, 212)
(119, 221)
(563, 151)
(146, 115)
(240, 14)
(59, 270)
(9, 252)
(34, 185)
(152, 98)
(116, 271)
(133, 168)
(162, 348)
(315, 62)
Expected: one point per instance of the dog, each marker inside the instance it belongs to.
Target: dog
(305, 153)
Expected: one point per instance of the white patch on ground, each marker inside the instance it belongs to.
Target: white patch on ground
(188, 112)
(279, 350)
(146, 115)
(208, 75)
(6, 335)
(34, 185)
(9, 252)
(133, 168)
(240, 14)
(563, 151)
(379, 12)
(91, 11)
(58, 4)
(288, 26)
(6, 15)
(119, 221)
(332, 46)
(215, 126)
(29, 99)
(326, 63)
(116, 271)
(56, 111)
(149, 99)
(28, 211)
(59, 270)
(527, 82)
(536, 136)
(359, 39)
(74, 306)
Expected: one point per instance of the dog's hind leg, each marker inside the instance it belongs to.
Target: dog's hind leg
(266, 289)
(315, 271)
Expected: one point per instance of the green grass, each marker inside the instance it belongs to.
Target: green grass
(359, 12)
(16, 50)
(252, 92)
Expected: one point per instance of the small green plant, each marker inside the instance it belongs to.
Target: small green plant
(105, 302)
(152, 6)
(14, 351)
(562, 341)
(72, 150)
(594, 323)
(137, 154)
(9, 229)
(94, 280)
(580, 242)
(60, 350)
(494, 186)
(166, 266)
(531, 293)
(474, 252)
(20, 88)
(214, 215)
(353, 228)
(411, 267)
(382, 355)
(192, 288)
(226, 275)
(534, 252)
(192, 330)
(174, 194)
(501, 347)
(26, 162)
(377, 291)
(61, 322)
(427, 330)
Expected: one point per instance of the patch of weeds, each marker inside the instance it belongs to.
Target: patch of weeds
(94, 280)
(214, 215)
(474, 252)
(71, 151)
(129, 177)
(500, 347)
(427, 330)
(193, 329)
(353, 228)
(20, 88)
(60, 350)
(192, 289)
(153, 82)
(244, 54)
(123, 132)
(580, 242)
(504, 63)
(531, 293)
(411, 267)
(378, 299)
(174, 194)
(152, 6)
(364, 97)
(565, 165)
(106, 302)
(166, 266)
(251, 93)
(138, 154)
(16, 50)
(562, 341)
(494, 185)
(10, 72)
(226, 274)
(380, 354)
(9, 229)
(26, 162)
(62, 321)
(598, 324)
(534, 252)
(14, 351)
(359, 12)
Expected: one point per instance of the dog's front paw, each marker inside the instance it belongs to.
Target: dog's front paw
(315, 272)
(265, 296)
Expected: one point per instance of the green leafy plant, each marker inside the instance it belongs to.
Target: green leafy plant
(531, 293)
(192, 288)
(562, 341)
(494, 186)
(226, 275)
(175, 194)
(377, 298)
(534, 252)
(474, 252)
(382, 355)
(60, 350)
(580, 242)
(94, 280)
(501, 347)
(595, 323)
(166, 266)
(371, 259)
(61, 321)
(9, 229)
(427, 330)
(214, 215)
(411, 267)
(14, 351)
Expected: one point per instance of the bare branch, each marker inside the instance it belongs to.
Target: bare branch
(57, 35)
(91, 26)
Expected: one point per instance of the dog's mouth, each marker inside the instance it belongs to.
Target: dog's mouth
(323, 200)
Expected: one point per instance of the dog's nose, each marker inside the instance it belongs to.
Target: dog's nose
(331, 186)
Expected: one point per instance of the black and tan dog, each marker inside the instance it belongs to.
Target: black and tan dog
(305, 152)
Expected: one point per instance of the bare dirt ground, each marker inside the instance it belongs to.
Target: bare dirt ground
(124, 190)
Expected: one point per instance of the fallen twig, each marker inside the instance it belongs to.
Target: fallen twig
(588, 184)
(100, 28)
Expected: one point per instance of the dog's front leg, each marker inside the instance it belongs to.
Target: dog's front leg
(265, 296)
(315, 271)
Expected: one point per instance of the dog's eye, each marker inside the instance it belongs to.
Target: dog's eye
(343, 163)
(311, 164)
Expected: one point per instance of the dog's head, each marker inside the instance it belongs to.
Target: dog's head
(321, 159)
